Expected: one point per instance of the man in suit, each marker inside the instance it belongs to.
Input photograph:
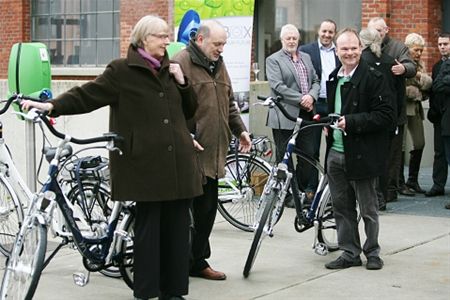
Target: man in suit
(291, 75)
(324, 59)
(439, 108)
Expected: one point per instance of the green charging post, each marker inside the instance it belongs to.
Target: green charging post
(29, 73)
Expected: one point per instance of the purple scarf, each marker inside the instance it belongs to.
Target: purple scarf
(153, 62)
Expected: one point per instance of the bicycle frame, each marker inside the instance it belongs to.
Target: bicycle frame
(9, 171)
(63, 222)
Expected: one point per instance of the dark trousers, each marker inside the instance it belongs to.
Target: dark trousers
(306, 143)
(161, 248)
(395, 161)
(204, 210)
(440, 166)
(344, 194)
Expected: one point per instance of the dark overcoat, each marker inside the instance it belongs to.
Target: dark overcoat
(368, 116)
(149, 110)
(217, 116)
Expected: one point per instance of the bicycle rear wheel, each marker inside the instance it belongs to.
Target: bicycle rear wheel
(241, 189)
(267, 207)
(11, 216)
(127, 256)
(97, 207)
(24, 265)
(327, 232)
(98, 204)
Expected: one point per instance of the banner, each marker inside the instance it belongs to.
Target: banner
(237, 18)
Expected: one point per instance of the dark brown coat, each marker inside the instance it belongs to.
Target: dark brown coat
(149, 111)
(217, 115)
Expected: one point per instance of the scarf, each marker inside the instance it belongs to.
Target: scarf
(153, 62)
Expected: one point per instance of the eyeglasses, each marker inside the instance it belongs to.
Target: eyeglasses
(162, 36)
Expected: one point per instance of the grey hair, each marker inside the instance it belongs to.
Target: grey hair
(376, 20)
(414, 39)
(147, 25)
(287, 28)
(372, 39)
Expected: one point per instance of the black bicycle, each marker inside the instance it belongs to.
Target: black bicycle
(318, 214)
(102, 244)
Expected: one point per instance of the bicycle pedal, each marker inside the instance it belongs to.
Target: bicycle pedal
(321, 249)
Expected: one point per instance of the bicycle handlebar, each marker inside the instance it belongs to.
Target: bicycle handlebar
(16, 97)
(271, 101)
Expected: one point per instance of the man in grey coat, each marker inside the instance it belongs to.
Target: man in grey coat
(291, 75)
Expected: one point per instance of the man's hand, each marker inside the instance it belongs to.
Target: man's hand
(341, 123)
(398, 69)
(245, 143)
(197, 146)
(307, 102)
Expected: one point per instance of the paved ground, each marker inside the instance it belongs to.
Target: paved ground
(415, 241)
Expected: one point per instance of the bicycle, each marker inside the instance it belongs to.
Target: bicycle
(282, 179)
(245, 176)
(14, 193)
(101, 245)
(241, 187)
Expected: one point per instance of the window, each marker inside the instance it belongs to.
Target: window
(77, 32)
(305, 14)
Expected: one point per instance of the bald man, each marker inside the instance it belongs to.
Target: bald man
(216, 117)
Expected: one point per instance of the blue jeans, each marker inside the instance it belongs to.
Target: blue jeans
(346, 194)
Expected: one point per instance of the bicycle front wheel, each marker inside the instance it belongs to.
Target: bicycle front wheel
(11, 216)
(24, 266)
(327, 232)
(265, 220)
(127, 256)
(241, 189)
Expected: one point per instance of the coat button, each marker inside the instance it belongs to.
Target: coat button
(358, 156)
(166, 121)
(161, 94)
(170, 148)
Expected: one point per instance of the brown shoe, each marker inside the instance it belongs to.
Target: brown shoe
(209, 273)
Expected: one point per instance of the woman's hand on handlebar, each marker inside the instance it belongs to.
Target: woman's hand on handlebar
(245, 143)
(43, 106)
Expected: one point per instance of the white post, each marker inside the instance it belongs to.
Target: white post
(30, 154)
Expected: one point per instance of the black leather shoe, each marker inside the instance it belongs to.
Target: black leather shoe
(342, 263)
(374, 263)
(167, 297)
(434, 193)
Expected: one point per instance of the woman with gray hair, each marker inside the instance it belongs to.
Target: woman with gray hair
(372, 54)
(150, 100)
(417, 89)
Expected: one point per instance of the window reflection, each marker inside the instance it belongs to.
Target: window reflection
(77, 32)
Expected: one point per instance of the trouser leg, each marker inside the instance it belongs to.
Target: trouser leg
(175, 247)
(204, 212)
(307, 175)
(344, 206)
(281, 139)
(365, 191)
(440, 166)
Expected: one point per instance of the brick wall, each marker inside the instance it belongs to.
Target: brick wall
(132, 10)
(14, 28)
(405, 16)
